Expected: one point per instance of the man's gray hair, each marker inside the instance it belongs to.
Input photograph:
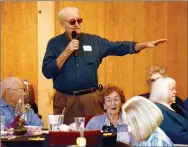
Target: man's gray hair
(8, 83)
(64, 11)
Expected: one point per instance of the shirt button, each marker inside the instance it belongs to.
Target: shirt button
(77, 65)
(78, 74)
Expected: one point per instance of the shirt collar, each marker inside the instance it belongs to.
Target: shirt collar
(168, 106)
(120, 120)
(67, 38)
(3, 103)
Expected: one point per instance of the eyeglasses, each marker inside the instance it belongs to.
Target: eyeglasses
(109, 100)
(153, 80)
(18, 89)
(73, 21)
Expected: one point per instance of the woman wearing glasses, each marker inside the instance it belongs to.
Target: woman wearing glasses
(155, 72)
(111, 120)
(12, 89)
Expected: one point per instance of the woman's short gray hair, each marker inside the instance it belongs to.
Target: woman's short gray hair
(143, 116)
(160, 89)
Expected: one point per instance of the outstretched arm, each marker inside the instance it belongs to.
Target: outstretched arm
(142, 45)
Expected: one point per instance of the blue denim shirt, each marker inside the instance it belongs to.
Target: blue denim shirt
(8, 112)
(123, 135)
(157, 139)
(80, 72)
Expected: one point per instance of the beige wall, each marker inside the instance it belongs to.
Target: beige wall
(138, 21)
(19, 42)
(46, 30)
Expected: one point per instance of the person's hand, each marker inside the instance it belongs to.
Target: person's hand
(72, 127)
(142, 45)
(64, 127)
(72, 46)
(154, 43)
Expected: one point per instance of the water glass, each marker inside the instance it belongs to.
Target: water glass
(80, 123)
(2, 122)
(55, 121)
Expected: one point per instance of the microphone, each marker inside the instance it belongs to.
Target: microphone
(74, 36)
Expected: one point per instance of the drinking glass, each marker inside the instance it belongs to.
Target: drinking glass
(80, 122)
(54, 122)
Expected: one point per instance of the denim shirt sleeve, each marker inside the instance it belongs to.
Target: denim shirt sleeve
(96, 123)
(49, 67)
(89, 125)
(33, 119)
(8, 112)
(118, 48)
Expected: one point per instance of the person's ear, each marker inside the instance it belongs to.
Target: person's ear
(104, 107)
(62, 23)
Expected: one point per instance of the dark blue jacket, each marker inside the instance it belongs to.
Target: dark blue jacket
(175, 125)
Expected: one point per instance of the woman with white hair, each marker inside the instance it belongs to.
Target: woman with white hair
(144, 117)
(175, 124)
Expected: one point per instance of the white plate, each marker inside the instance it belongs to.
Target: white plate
(4, 132)
(37, 133)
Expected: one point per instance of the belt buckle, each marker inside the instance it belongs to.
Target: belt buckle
(76, 93)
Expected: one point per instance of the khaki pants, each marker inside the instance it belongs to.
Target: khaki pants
(83, 105)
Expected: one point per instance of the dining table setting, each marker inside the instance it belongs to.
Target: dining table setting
(57, 135)
(33, 136)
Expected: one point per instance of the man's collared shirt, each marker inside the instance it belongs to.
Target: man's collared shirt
(80, 72)
(8, 112)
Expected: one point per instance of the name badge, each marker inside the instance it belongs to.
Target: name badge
(87, 48)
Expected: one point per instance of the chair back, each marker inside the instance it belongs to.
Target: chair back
(93, 137)
(87, 119)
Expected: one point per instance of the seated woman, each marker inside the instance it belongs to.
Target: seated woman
(155, 73)
(175, 124)
(12, 90)
(144, 117)
(111, 121)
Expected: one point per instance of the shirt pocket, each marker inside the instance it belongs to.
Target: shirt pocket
(90, 58)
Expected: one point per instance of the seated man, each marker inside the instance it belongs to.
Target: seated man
(12, 90)
(111, 121)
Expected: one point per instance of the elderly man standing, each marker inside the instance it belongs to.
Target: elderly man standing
(12, 89)
(72, 60)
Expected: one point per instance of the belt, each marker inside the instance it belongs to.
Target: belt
(82, 92)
